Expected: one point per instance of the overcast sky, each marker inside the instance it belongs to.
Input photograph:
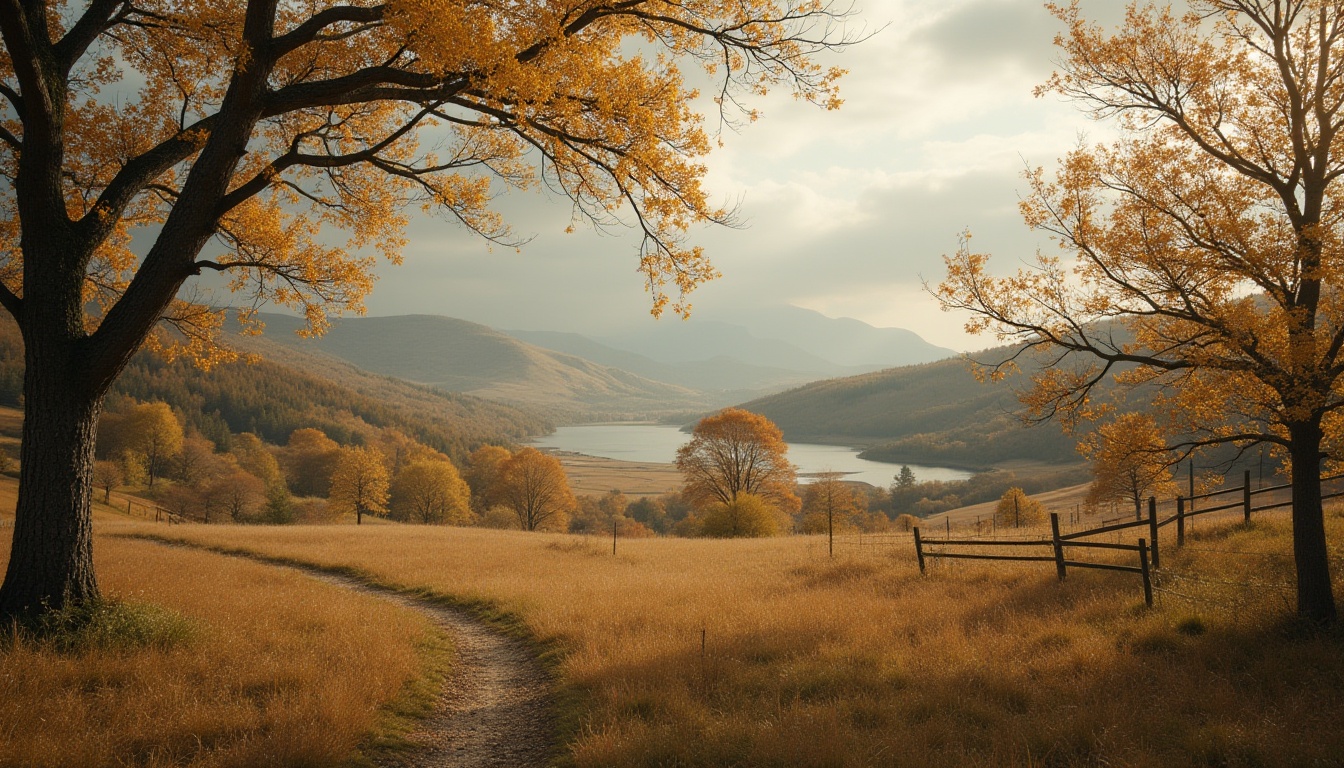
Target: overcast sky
(846, 212)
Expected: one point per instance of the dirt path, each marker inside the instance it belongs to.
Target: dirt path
(494, 708)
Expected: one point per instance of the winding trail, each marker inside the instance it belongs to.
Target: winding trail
(494, 709)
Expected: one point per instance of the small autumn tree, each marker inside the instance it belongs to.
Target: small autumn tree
(107, 475)
(1129, 461)
(1201, 251)
(485, 469)
(735, 452)
(239, 494)
(827, 501)
(430, 492)
(535, 487)
(309, 458)
(359, 484)
(153, 432)
(1016, 509)
(248, 127)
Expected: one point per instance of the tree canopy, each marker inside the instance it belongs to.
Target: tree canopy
(535, 487)
(1130, 461)
(281, 144)
(735, 452)
(1209, 232)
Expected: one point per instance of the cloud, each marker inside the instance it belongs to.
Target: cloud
(845, 212)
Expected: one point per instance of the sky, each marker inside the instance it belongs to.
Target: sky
(846, 212)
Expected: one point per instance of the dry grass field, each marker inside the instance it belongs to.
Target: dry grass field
(594, 476)
(225, 662)
(766, 653)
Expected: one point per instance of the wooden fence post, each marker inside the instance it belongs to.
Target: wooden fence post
(948, 520)
(919, 549)
(1246, 495)
(1180, 521)
(613, 536)
(1147, 575)
(1059, 548)
(1152, 529)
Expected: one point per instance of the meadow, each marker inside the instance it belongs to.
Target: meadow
(768, 653)
(215, 661)
(685, 652)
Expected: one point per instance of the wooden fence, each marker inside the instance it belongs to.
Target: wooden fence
(161, 515)
(1147, 550)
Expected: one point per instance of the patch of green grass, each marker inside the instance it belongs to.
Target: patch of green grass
(105, 625)
(399, 717)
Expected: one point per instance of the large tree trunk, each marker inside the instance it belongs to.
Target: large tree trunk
(51, 558)
(1315, 596)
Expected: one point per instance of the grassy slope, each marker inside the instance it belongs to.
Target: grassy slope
(459, 356)
(936, 413)
(859, 661)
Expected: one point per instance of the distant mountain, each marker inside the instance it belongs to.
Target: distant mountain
(723, 379)
(936, 414)
(746, 352)
(841, 340)
(460, 356)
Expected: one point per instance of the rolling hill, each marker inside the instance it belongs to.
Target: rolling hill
(935, 413)
(459, 356)
(272, 398)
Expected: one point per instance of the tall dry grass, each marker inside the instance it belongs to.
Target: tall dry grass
(862, 662)
(273, 669)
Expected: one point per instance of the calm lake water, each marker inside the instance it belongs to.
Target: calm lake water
(655, 443)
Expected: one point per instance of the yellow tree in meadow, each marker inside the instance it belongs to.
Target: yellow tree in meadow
(1130, 461)
(430, 491)
(1201, 252)
(735, 452)
(535, 487)
(828, 501)
(359, 484)
(154, 433)
(485, 468)
(244, 137)
(1016, 509)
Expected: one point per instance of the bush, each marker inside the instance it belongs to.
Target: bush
(747, 516)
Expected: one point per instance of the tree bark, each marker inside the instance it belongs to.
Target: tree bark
(1315, 595)
(51, 558)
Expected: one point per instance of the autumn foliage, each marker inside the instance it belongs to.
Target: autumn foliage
(735, 452)
(1209, 232)
(280, 146)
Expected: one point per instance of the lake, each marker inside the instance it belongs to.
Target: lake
(659, 444)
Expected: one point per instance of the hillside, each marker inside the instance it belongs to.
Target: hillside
(724, 379)
(459, 356)
(272, 399)
(745, 352)
(936, 413)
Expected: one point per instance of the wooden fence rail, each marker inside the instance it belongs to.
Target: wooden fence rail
(1147, 549)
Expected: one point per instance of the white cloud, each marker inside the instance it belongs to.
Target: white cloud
(847, 211)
